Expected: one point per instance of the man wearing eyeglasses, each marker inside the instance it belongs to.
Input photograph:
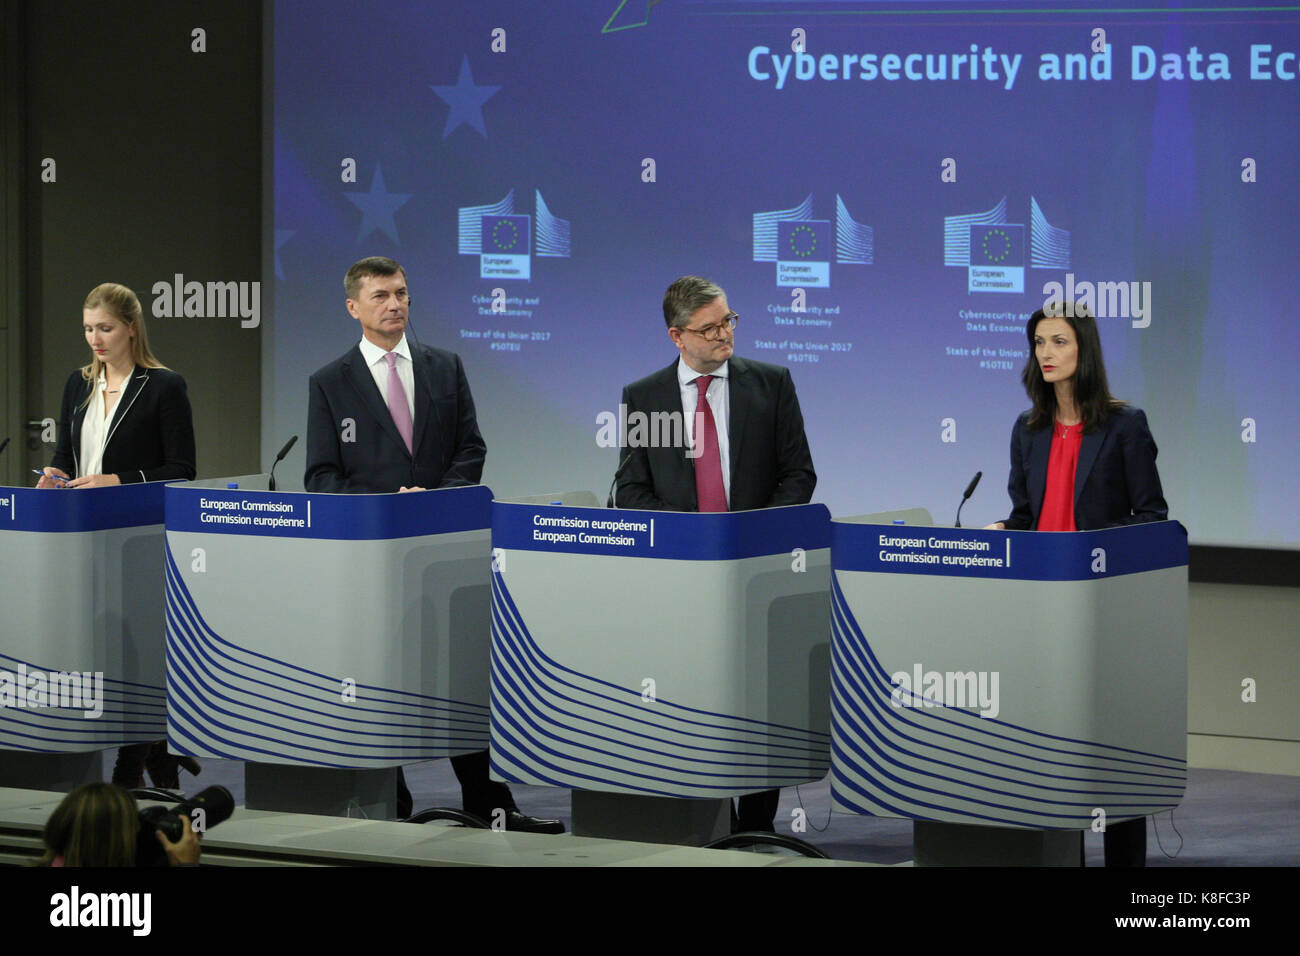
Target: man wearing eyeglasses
(745, 449)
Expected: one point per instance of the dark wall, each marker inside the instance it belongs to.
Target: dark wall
(158, 160)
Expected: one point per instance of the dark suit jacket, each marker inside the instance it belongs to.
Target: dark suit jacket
(770, 461)
(448, 447)
(150, 435)
(1115, 483)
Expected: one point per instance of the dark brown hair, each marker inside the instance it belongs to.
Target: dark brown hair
(1091, 392)
(365, 268)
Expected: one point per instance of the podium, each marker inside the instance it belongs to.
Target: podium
(326, 639)
(1031, 682)
(659, 663)
(82, 643)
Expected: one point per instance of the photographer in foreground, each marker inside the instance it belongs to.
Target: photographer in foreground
(98, 824)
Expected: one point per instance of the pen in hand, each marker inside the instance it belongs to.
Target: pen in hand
(37, 471)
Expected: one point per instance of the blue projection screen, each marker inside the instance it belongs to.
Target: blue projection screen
(886, 192)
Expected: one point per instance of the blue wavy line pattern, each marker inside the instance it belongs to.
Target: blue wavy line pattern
(953, 766)
(225, 700)
(854, 241)
(555, 726)
(469, 231)
(131, 712)
(1049, 247)
(552, 231)
(765, 228)
(956, 232)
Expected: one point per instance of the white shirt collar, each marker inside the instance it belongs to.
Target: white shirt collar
(687, 375)
(373, 354)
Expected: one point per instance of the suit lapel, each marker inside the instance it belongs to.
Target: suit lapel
(79, 413)
(668, 396)
(1040, 450)
(134, 385)
(739, 402)
(1088, 449)
(356, 372)
(422, 377)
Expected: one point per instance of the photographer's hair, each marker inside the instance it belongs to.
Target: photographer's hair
(686, 295)
(95, 825)
(367, 267)
(124, 305)
(1091, 392)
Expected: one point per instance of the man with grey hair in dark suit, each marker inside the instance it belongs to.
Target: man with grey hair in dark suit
(751, 450)
(412, 427)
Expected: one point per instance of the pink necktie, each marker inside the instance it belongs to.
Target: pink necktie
(401, 412)
(708, 464)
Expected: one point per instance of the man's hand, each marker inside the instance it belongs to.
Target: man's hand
(996, 526)
(185, 850)
(94, 481)
(412, 488)
(49, 478)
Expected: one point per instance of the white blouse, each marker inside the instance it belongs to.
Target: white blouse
(94, 431)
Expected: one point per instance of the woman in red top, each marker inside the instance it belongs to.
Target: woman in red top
(1081, 460)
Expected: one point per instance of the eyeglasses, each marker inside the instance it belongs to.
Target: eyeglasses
(714, 332)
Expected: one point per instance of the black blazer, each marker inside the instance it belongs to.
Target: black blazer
(1115, 482)
(344, 403)
(770, 461)
(150, 436)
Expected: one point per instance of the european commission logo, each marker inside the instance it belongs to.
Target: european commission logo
(803, 247)
(505, 241)
(992, 250)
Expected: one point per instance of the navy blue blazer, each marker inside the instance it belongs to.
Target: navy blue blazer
(353, 445)
(1115, 482)
(770, 463)
(151, 433)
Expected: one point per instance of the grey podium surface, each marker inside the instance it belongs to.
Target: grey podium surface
(326, 639)
(659, 663)
(992, 679)
(81, 630)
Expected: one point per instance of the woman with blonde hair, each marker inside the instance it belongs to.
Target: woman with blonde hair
(125, 419)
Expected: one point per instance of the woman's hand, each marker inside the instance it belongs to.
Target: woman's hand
(996, 526)
(183, 851)
(49, 476)
(94, 481)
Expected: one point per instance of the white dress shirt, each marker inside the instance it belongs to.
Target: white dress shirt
(94, 429)
(716, 396)
(378, 365)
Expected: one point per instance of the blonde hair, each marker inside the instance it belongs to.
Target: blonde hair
(123, 304)
(95, 825)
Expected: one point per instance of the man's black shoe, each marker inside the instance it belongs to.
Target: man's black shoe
(518, 822)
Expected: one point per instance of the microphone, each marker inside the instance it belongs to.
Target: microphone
(613, 485)
(278, 458)
(970, 490)
(410, 327)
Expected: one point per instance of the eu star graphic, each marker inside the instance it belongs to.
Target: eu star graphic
(466, 101)
(377, 207)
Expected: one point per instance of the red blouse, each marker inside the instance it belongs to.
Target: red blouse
(1058, 496)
